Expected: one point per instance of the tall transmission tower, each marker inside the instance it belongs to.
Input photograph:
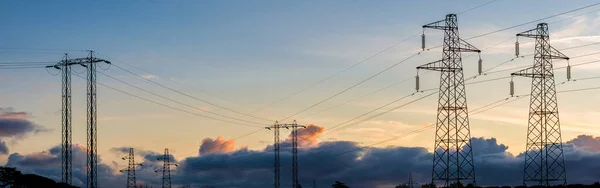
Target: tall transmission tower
(67, 140)
(166, 170)
(131, 169)
(92, 154)
(453, 157)
(276, 150)
(544, 160)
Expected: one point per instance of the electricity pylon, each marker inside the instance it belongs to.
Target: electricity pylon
(92, 154)
(130, 169)
(544, 160)
(411, 183)
(453, 157)
(67, 140)
(276, 149)
(166, 170)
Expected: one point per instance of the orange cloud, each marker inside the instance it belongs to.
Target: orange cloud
(218, 145)
(308, 137)
(586, 142)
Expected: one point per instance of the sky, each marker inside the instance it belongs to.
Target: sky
(256, 62)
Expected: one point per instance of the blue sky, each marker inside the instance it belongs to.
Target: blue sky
(247, 54)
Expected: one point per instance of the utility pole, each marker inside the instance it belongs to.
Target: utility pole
(276, 150)
(453, 157)
(130, 169)
(544, 160)
(166, 170)
(66, 134)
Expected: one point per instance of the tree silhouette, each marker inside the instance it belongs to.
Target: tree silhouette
(338, 184)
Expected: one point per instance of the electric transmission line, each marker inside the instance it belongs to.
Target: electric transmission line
(171, 107)
(356, 64)
(188, 95)
(178, 102)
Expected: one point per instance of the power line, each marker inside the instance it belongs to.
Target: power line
(178, 102)
(353, 86)
(171, 107)
(337, 73)
(360, 62)
(40, 49)
(484, 4)
(555, 15)
(187, 95)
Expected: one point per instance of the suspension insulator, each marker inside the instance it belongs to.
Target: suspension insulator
(517, 48)
(417, 82)
(480, 66)
(423, 41)
(569, 72)
(512, 88)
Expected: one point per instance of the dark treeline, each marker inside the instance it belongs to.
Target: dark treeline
(11, 177)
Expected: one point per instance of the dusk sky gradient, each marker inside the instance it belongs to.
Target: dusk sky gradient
(244, 55)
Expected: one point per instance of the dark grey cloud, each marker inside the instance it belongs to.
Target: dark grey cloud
(326, 163)
(3, 148)
(370, 167)
(17, 124)
(48, 164)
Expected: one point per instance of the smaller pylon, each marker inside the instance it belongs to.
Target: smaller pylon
(166, 170)
(411, 183)
(276, 149)
(130, 169)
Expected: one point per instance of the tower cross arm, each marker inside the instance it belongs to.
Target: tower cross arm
(437, 66)
(555, 54)
(529, 72)
(440, 25)
(464, 46)
(532, 33)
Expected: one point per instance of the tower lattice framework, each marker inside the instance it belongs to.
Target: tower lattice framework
(131, 183)
(544, 160)
(276, 150)
(166, 170)
(453, 156)
(66, 134)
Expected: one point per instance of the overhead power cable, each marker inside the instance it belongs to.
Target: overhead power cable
(337, 73)
(175, 101)
(353, 86)
(188, 95)
(534, 21)
(171, 107)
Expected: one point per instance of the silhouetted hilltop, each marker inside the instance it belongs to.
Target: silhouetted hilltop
(13, 178)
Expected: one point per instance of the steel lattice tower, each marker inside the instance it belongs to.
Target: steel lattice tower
(166, 170)
(276, 150)
(453, 157)
(130, 169)
(92, 154)
(544, 161)
(66, 134)
(276, 165)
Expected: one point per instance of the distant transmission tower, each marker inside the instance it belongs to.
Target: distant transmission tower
(276, 150)
(453, 157)
(411, 183)
(130, 169)
(544, 161)
(67, 140)
(166, 170)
